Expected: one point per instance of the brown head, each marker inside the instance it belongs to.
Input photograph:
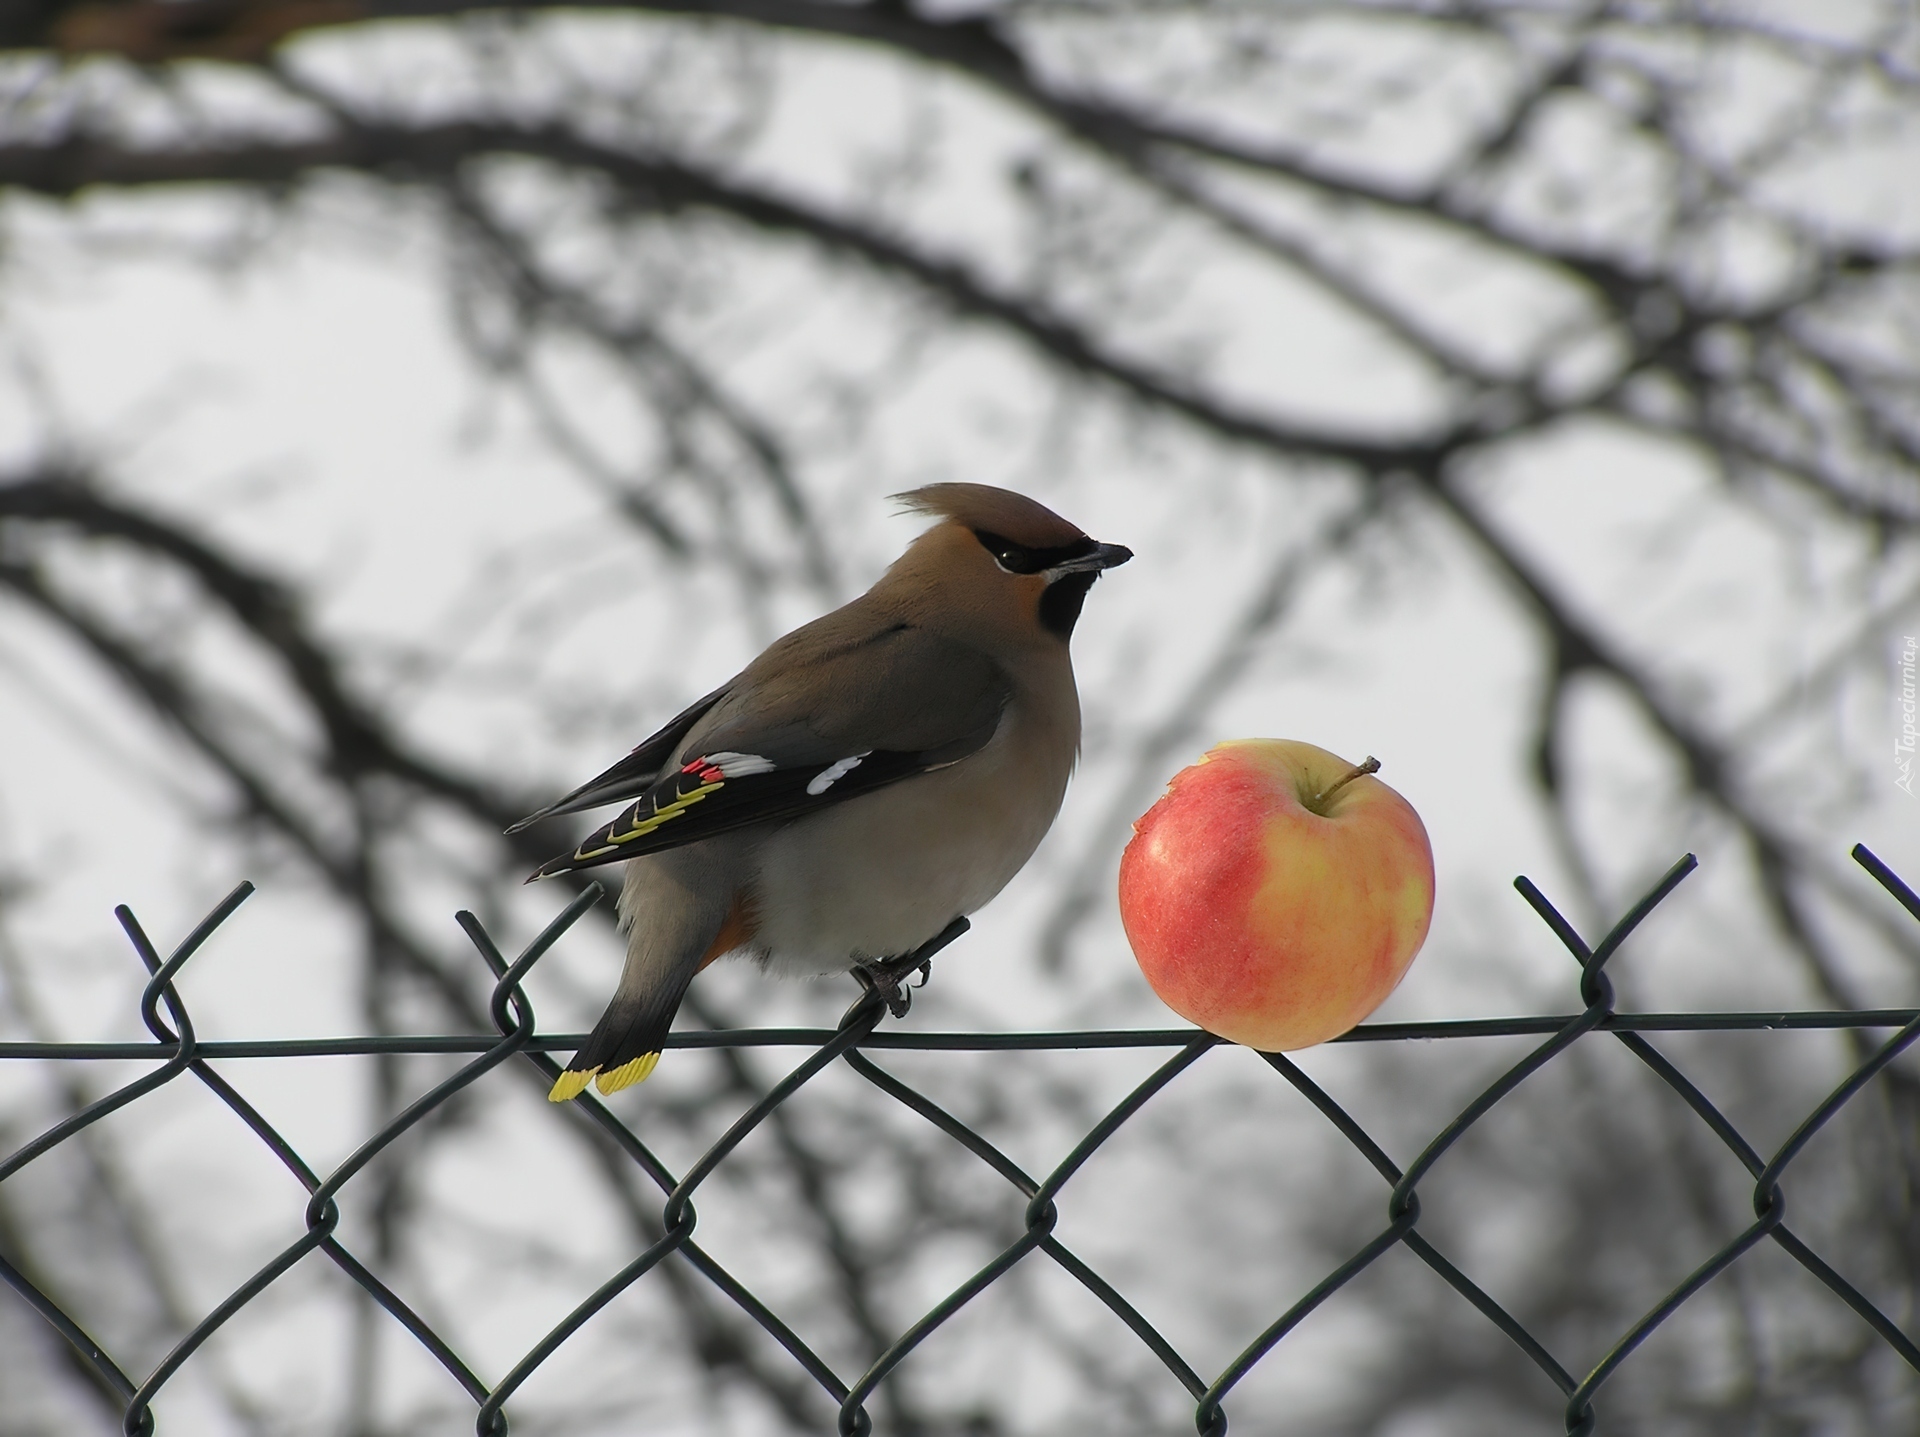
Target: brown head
(1001, 559)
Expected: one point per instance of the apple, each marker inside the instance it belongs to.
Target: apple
(1276, 893)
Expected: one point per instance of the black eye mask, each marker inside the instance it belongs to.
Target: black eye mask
(1019, 559)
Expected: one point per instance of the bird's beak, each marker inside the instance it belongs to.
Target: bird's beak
(1104, 556)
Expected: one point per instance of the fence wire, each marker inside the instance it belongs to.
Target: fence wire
(177, 1051)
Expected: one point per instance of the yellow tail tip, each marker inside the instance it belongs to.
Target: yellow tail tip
(570, 1085)
(626, 1075)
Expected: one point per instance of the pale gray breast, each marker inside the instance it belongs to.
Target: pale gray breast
(878, 875)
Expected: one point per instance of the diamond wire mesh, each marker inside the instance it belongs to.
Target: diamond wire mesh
(179, 1051)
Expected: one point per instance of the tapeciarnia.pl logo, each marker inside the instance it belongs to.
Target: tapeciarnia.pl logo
(1903, 746)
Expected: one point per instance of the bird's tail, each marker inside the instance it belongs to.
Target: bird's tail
(625, 1046)
(681, 910)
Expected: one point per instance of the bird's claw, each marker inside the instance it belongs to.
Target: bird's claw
(888, 978)
(899, 1000)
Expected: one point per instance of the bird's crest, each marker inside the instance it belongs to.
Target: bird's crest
(983, 508)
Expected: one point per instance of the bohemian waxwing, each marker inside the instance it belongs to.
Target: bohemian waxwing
(868, 780)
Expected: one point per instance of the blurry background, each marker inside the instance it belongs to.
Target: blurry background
(405, 405)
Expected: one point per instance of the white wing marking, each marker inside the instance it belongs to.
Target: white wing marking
(739, 765)
(833, 773)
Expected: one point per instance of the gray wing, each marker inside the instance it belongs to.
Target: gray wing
(899, 690)
(810, 724)
(635, 773)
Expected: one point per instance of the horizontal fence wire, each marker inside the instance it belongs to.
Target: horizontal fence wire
(176, 1051)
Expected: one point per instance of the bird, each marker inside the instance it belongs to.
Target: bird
(857, 790)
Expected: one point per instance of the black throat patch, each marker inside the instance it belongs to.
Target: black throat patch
(1060, 604)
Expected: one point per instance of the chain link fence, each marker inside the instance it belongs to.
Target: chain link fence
(177, 1052)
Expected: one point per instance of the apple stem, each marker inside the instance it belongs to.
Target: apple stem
(1372, 765)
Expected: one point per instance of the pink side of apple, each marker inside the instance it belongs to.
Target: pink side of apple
(1262, 920)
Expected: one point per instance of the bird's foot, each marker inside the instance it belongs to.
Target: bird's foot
(889, 980)
(888, 977)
